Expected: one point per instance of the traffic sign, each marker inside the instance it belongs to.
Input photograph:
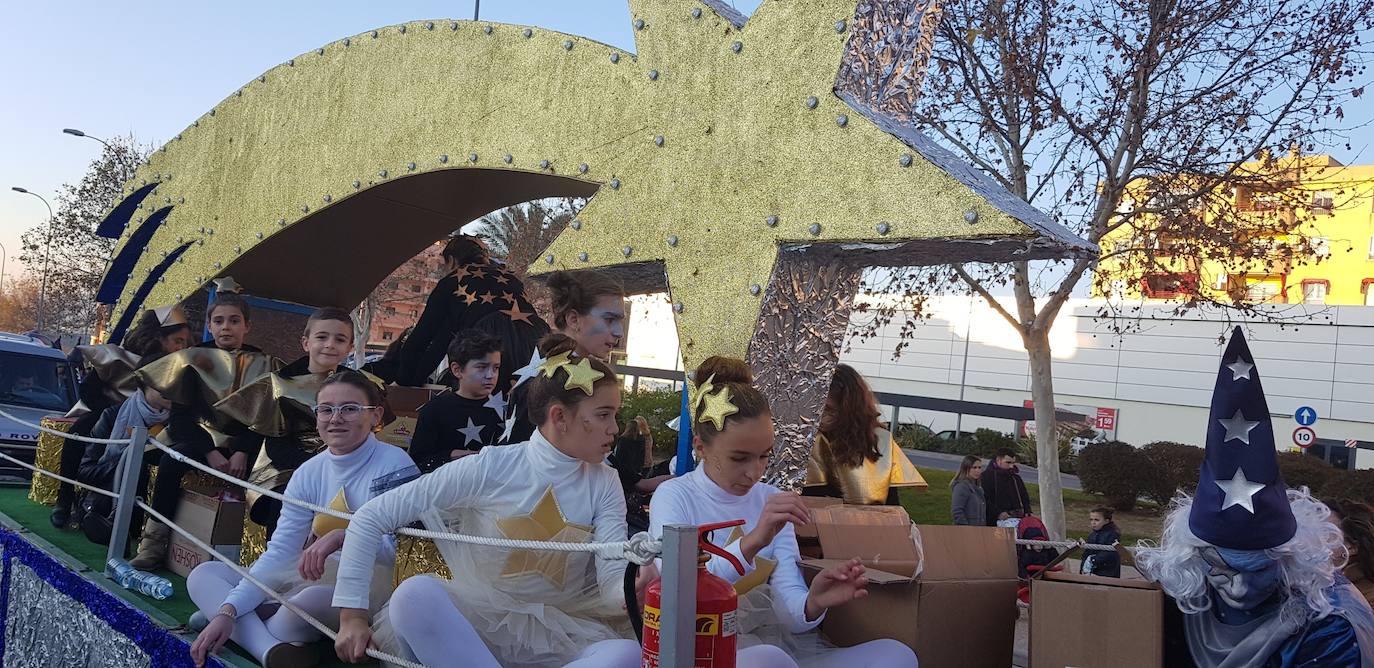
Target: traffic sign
(1305, 416)
(1304, 437)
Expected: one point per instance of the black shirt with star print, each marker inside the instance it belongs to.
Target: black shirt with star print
(451, 422)
(483, 297)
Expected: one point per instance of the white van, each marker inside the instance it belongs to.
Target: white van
(36, 381)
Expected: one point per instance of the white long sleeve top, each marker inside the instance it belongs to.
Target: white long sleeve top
(512, 476)
(696, 499)
(362, 474)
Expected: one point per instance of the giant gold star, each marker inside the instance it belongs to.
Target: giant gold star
(544, 522)
(710, 148)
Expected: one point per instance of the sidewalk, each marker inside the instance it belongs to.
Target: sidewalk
(943, 461)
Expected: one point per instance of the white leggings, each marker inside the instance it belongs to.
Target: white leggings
(210, 583)
(433, 631)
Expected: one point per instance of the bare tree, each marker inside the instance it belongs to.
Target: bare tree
(518, 234)
(79, 258)
(1134, 122)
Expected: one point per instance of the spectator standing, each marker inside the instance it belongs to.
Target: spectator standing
(1004, 490)
(967, 503)
(1106, 563)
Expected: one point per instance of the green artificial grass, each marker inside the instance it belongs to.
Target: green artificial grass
(73, 549)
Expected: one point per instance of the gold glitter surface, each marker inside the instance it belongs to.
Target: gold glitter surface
(418, 556)
(49, 458)
(740, 146)
(253, 543)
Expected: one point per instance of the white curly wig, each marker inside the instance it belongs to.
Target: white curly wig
(1307, 564)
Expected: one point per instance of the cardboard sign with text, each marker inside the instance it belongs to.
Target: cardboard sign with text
(925, 586)
(210, 516)
(1074, 617)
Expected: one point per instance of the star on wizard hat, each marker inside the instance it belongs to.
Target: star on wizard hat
(1241, 502)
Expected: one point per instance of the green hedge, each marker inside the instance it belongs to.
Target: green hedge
(1114, 470)
(657, 407)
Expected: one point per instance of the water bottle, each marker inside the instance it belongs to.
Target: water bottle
(133, 579)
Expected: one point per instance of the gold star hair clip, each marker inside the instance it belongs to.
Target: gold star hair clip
(580, 373)
(714, 405)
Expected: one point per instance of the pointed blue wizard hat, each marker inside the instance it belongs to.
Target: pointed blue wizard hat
(1241, 502)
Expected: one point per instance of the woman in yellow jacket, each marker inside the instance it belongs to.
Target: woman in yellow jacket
(854, 456)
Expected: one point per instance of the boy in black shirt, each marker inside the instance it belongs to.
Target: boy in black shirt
(460, 422)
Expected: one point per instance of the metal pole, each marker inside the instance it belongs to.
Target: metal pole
(476, 8)
(130, 465)
(963, 375)
(47, 255)
(3, 254)
(678, 618)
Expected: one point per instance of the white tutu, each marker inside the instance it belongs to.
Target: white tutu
(761, 623)
(525, 618)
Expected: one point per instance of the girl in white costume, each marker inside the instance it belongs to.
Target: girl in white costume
(354, 468)
(733, 434)
(508, 607)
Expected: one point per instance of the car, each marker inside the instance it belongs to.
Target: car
(36, 381)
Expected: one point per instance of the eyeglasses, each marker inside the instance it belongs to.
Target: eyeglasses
(346, 412)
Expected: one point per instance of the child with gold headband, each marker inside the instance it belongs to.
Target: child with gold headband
(503, 606)
(732, 433)
(354, 468)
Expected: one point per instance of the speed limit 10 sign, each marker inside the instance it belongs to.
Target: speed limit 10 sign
(1304, 437)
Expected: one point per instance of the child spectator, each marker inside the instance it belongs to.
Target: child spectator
(1106, 563)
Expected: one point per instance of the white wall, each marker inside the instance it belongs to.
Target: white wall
(1159, 376)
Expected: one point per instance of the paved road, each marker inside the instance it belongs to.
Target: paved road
(942, 461)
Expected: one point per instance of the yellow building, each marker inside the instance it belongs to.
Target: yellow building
(1324, 205)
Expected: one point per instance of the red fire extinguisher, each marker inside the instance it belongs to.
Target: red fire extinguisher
(715, 615)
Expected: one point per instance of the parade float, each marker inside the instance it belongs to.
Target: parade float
(752, 170)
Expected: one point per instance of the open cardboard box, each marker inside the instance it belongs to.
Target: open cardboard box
(406, 401)
(927, 584)
(211, 518)
(1074, 618)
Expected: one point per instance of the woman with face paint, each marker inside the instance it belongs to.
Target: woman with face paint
(733, 435)
(508, 607)
(476, 292)
(589, 308)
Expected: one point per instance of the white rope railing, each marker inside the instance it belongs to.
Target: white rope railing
(17, 446)
(63, 434)
(637, 549)
(1066, 544)
(271, 593)
(65, 479)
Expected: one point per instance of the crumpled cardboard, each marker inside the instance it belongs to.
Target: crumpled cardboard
(208, 514)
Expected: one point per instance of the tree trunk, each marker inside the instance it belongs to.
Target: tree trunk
(1037, 341)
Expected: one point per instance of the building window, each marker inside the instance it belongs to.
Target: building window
(1367, 291)
(1371, 248)
(415, 287)
(1261, 289)
(386, 336)
(389, 310)
(1323, 201)
(392, 285)
(414, 313)
(1314, 290)
(1169, 286)
(1321, 246)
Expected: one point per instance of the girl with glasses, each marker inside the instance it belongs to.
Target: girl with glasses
(354, 468)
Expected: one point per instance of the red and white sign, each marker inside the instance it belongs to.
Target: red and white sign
(1304, 437)
(1101, 420)
(1352, 443)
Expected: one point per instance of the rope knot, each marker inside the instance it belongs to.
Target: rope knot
(642, 548)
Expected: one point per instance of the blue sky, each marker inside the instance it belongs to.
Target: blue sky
(150, 67)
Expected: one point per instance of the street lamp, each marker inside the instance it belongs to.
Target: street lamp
(77, 133)
(47, 255)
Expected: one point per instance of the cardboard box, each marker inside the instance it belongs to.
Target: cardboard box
(966, 587)
(1080, 615)
(399, 432)
(207, 515)
(406, 401)
(808, 541)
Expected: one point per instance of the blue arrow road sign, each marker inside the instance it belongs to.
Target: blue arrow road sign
(1305, 416)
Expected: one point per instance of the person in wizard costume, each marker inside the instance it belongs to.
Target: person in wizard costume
(1252, 564)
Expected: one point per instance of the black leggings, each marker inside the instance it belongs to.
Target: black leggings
(72, 452)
